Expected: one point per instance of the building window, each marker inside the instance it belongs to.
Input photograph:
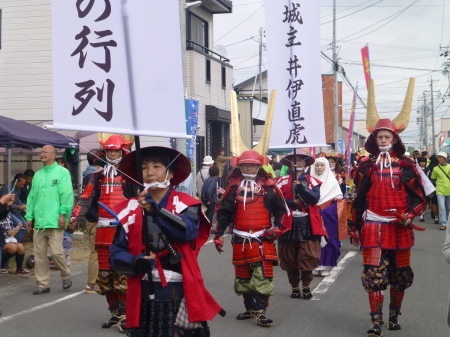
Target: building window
(208, 71)
(197, 30)
(224, 78)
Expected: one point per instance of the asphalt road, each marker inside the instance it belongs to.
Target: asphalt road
(339, 308)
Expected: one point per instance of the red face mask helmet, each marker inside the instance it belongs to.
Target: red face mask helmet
(250, 157)
(116, 142)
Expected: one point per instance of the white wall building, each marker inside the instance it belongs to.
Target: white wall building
(26, 90)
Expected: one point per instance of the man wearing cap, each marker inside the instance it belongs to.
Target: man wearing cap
(203, 174)
(389, 197)
(166, 293)
(416, 154)
(299, 248)
(250, 201)
(109, 187)
(441, 179)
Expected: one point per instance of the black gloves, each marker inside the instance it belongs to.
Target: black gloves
(144, 266)
(293, 205)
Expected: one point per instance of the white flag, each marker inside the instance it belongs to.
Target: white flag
(293, 52)
(95, 73)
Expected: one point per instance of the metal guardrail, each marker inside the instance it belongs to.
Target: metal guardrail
(191, 45)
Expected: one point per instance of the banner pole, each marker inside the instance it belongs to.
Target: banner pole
(126, 33)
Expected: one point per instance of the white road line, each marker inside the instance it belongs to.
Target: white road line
(326, 283)
(321, 289)
(42, 306)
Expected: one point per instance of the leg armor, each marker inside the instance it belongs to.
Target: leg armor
(376, 299)
(396, 300)
(394, 308)
(401, 278)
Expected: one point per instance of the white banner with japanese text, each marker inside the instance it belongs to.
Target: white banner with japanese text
(108, 54)
(293, 54)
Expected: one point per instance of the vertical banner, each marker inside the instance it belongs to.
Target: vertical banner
(366, 64)
(351, 125)
(109, 76)
(293, 52)
(341, 146)
(442, 136)
(191, 128)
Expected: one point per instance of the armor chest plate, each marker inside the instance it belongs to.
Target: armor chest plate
(254, 217)
(111, 193)
(383, 196)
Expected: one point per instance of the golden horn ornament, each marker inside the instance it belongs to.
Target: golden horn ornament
(263, 146)
(237, 145)
(372, 116)
(402, 120)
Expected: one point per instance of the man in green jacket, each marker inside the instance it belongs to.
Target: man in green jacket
(49, 204)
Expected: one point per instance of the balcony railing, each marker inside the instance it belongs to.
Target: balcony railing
(191, 45)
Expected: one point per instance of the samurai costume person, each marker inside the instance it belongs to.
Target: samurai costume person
(109, 187)
(330, 193)
(165, 295)
(389, 197)
(250, 202)
(299, 249)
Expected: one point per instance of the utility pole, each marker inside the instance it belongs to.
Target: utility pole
(420, 123)
(433, 135)
(425, 122)
(423, 110)
(260, 62)
(432, 119)
(335, 86)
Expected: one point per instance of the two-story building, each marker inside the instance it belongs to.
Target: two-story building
(26, 90)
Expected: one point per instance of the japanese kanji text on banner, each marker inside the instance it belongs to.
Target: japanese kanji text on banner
(293, 53)
(92, 86)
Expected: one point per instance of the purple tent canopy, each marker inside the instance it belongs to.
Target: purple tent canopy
(14, 133)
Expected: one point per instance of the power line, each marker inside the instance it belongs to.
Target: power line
(232, 44)
(239, 24)
(342, 72)
(386, 45)
(245, 61)
(249, 67)
(405, 28)
(394, 16)
(359, 10)
(344, 9)
(386, 66)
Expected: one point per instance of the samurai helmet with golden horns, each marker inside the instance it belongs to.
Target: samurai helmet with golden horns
(374, 123)
(400, 123)
(240, 152)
